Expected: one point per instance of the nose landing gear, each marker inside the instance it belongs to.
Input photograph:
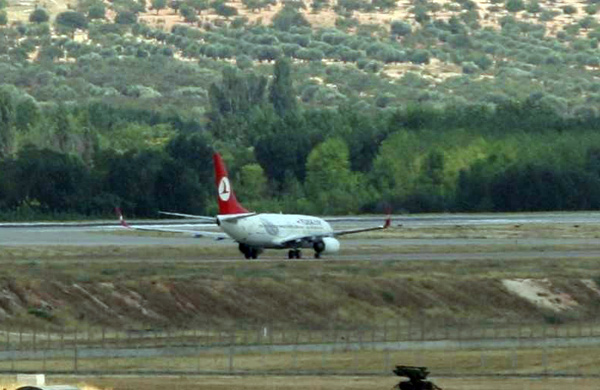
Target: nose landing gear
(294, 254)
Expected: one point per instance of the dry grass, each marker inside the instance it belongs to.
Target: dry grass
(564, 361)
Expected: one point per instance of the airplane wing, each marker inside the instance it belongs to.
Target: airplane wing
(290, 240)
(202, 217)
(234, 217)
(193, 233)
(386, 224)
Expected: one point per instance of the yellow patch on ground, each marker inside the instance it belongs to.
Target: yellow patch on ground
(540, 292)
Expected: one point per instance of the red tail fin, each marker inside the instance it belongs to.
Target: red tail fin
(228, 204)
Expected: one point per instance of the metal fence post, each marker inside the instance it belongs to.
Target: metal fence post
(514, 361)
(75, 363)
(295, 358)
(482, 359)
(231, 354)
(545, 360)
(385, 338)
(198, 352)
(386, 360)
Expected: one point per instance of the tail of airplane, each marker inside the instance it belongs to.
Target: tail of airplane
(228, 204)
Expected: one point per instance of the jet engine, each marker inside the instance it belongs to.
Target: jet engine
(327, 245)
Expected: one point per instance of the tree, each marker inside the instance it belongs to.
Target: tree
(283, 152)
(70, 21)
(50, 53)
(421, 14)
(64, 129)
(400, 28)
(319, 5)
(384, 5)
(55, 181)
(27, 114)
(311, 54)
(7, 121)
(224, 10)
(3, 18)
(175, 5)
(252, 184)
(188, 13)
(126, 17)
(198, 5)
(158, 5)
(252, 5)
(39, 15)
(191, 183)
(289, 17)
(569, 10)
(97, 11)
(329, 182)
(515, 5)
(591, 9)
(281, 92)
(533, 7)
(267, 52)
(236, 95)
(134, 177)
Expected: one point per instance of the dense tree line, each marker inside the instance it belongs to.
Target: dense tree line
(87, 158)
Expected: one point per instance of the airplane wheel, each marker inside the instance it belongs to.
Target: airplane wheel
(291, 254)
(298, 254)
(247, 255)
(254, 253)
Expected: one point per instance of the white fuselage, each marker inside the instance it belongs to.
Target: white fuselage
(270, 230)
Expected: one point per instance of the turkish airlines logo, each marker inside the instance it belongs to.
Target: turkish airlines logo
(224, 189)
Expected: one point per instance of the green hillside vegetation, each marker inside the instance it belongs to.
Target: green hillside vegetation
(459, 106)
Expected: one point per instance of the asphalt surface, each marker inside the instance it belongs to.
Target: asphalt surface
(110, 233)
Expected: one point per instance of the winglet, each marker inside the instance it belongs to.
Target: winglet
(121, 219)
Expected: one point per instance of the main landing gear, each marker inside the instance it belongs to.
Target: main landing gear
(297, 254)
(249, 252)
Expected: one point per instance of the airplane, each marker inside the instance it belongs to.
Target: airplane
(254, 232)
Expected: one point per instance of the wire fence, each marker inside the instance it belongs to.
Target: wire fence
(210, 335)
(447, 349)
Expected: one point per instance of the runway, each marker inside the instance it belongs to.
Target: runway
(426, 237)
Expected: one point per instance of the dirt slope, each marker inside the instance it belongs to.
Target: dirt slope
(316, 302)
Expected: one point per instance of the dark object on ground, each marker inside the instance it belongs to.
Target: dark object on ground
(416, 378)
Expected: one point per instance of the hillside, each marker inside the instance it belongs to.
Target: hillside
(436, 52)
(424, 106)
(115, 291)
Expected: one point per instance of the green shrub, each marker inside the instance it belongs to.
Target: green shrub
(39, 15)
